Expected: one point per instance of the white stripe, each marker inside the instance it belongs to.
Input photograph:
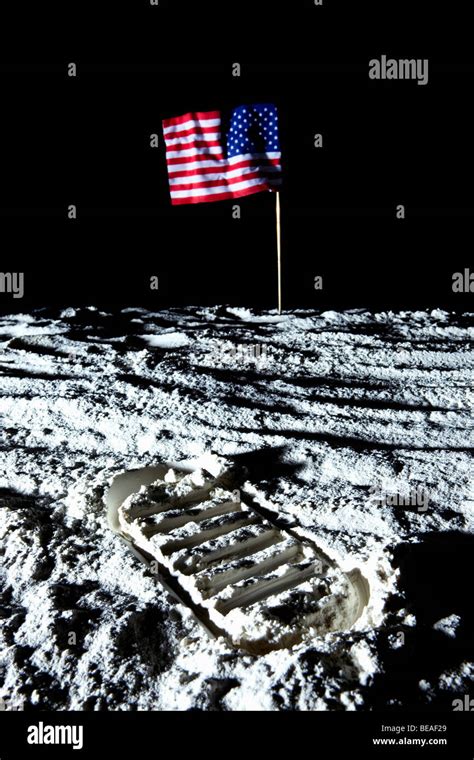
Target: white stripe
(248, 156)
(223, 175)
(175, 128)
(232, 187)
(191, 138)
(192, 152)
(189, 165)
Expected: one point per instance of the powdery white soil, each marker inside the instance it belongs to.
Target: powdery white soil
(356, 430)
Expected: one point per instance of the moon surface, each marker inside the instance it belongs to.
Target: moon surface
(355, 430)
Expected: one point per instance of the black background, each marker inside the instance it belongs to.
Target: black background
(85, 141)
(264, 732)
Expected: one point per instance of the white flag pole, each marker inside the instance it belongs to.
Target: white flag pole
(278, 231)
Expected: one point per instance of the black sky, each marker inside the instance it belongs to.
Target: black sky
(86, 142)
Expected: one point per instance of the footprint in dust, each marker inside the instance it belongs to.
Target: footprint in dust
(244, 577)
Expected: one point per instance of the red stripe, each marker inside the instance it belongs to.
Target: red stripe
(195, 144)
(219, 182)
(197, 116)
(202, 157)
(193, 131)
(221, 196)
(212, 170)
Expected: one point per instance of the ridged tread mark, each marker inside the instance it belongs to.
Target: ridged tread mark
(240, 571)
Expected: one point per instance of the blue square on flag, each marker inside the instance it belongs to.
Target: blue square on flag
(210, 161)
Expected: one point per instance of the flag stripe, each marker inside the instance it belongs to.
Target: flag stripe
(220, 182)
(194, 144)
(187, 165)
(192, 136)
(217, 188)
(195, 177)
(196, 129)
(179, 129)
(196, 151)
(221, 197)
(197, 116)
(220, 167)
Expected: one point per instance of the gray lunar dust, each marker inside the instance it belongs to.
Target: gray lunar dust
(356, 427)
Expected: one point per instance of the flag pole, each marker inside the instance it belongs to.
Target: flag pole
(278, 231)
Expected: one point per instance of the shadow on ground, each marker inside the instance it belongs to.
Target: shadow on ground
(435, 579)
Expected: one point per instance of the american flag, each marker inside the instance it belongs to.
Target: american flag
(210, 159)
